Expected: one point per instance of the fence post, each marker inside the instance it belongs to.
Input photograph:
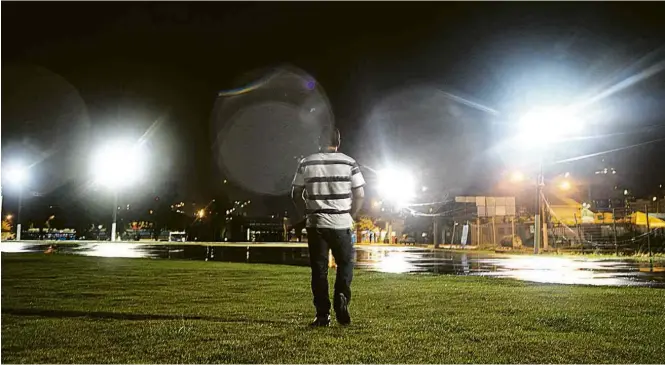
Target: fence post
(493, 232)
(480, 241)
(435, 230)
(579, 234)
(512, 224)
(614, 224)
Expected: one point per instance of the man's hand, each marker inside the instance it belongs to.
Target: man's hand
(358, 199)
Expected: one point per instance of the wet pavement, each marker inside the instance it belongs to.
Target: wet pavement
(541, 269)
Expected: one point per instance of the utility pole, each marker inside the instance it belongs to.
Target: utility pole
(544, 225)
(537, 221)
(646, 209)
(390, 231)
(512, 223)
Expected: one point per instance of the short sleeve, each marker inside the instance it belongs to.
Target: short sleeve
(299, 179)
(357, 179)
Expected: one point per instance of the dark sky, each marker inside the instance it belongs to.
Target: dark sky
(387, 70)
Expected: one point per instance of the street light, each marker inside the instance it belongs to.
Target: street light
(116, 166)
(396, 186)
(546, 125)
(201, 213)
(565, 185)
(516, 177)
(17, 176)
(539, 128)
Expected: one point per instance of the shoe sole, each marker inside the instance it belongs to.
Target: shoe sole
(343, 316)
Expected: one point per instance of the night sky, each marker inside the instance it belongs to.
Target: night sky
(76, 73)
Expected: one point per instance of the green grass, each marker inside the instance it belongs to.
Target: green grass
(641, 257)
(69, 309)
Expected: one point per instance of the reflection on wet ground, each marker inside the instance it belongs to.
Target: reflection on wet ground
(542, 269)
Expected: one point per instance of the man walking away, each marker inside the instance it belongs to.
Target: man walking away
(328, 189)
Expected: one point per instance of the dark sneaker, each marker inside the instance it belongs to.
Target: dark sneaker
(342, 312)
(321, 322)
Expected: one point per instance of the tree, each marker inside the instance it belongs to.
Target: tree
(364, 223)
(7, 230)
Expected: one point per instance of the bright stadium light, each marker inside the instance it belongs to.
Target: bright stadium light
(396, 186)
(17, 175)
(118, 165)
(540, 128)
(545, 125)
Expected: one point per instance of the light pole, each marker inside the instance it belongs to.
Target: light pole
(18, 175)
(540, 128)
(18, 213)
(540, 216)
(114, 225)
(537, 218)
(397, 188)
(110, 166)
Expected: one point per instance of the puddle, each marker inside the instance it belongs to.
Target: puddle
(542, 269)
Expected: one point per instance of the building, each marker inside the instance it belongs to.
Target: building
(255, 229)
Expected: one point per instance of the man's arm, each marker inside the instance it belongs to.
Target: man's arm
(357, 184)
(297, 196)
(358, 199)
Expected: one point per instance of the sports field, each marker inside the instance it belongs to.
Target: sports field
(70, 309)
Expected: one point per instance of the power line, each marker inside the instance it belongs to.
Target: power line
(577, 158)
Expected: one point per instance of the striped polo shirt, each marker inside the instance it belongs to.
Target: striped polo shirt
(328, 179)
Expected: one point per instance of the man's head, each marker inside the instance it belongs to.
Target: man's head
(329, 139)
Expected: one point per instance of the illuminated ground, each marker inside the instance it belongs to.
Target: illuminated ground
(70, 309)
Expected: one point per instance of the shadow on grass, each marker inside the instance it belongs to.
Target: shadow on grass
(127, 316)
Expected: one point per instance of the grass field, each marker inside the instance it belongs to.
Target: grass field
(69, 309)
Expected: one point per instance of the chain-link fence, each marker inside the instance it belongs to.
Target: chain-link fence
(611, 231)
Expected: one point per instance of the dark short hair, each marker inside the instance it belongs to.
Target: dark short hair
(330, 137)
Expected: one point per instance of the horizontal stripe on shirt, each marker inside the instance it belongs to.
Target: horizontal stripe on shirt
(327, 162)
(320, 179)
(327, 211)
(328, 196)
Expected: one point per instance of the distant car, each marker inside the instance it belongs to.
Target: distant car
(408, 241)
(177, 236)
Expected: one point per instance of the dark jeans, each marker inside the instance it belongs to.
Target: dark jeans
(320, 241)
